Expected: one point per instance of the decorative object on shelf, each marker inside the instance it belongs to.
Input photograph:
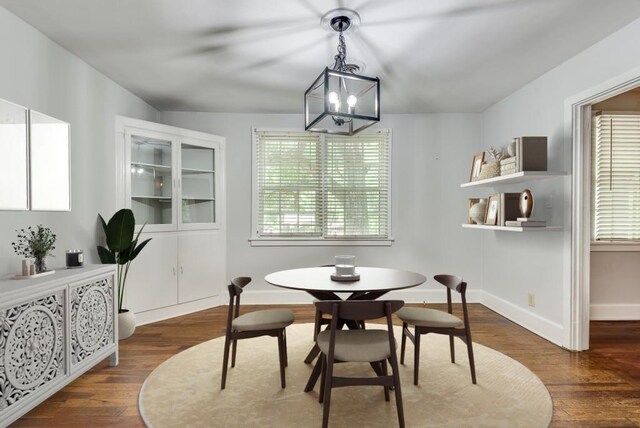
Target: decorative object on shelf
(496, 154)
(491, 168)
(526, 223)
(493, 207)
(477, 210)
(35, 243)
(508, 165)
(531, 153)
(122, 248)
(340, 101)
(345, 269)
(526, 203)
(511, 148)
(476, 166)
(74, 258)
(509, 209)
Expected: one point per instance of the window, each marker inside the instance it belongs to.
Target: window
(615, 177)
(320, 187)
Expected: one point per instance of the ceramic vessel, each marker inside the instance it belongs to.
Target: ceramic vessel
(477, 211)
(126, 324)
(526, 203)
(511, 148)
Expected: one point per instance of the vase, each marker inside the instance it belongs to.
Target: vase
(126, 324)
(477, 211)
(41, 266)
(526, 203)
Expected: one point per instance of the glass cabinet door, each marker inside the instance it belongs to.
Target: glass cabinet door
(198, 192)
(151, 179)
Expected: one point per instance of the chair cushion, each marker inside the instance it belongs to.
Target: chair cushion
(357, 345)
(424, 317)
(263, 320)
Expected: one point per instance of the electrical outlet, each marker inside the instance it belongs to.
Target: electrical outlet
(532, 300)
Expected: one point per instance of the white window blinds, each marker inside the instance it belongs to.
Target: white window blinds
(322, 186)
(615, 177)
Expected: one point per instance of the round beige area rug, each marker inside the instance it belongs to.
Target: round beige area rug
(184, 391)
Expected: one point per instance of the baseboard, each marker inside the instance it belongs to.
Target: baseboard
(160, 314)
(544, 328)
(294, 297)
(614, 312)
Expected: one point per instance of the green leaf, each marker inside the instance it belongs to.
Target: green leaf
(139, 248)
(104, 224)
(106, 256)
(120, 230)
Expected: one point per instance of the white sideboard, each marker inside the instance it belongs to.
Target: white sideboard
(53, 329)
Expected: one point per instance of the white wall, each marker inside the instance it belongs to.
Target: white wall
(431, 157)
(41, 75)
(516, 264)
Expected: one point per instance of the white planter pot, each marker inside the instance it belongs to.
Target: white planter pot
(126, 324)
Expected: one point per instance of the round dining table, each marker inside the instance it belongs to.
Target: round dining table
(373, 283)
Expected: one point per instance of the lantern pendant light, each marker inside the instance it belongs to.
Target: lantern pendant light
(340, 101)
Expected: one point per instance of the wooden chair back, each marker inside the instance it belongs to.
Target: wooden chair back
(359, 310)
(235, 290)
(455, 283)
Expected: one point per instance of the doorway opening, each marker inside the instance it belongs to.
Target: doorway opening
(602, 261)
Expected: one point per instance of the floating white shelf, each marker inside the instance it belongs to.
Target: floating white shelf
(518, 177)
(513, 229)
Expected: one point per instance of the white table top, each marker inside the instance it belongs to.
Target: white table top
(371, 279)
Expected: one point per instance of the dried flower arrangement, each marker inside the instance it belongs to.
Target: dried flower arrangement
(496, 154)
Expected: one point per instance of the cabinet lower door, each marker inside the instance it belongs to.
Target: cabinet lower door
(201, 258)
(152, 281)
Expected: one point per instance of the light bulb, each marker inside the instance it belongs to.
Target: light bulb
(334, 101)
(140, 170)
(133, 170)
(351, 101)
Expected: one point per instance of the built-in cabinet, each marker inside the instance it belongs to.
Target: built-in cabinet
(53, 329)
(173, 180)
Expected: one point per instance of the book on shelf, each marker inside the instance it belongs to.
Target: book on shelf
(509, 207)
(508, 166)
(516, 223)
(531, 153)
(530, 219)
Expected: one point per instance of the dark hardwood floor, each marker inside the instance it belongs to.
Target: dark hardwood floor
(596, 388)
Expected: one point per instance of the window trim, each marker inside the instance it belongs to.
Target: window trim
(257, 241)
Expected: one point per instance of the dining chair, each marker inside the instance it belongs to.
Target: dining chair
(427, 320)
(270, 322)
(319, 322)
(371, 346)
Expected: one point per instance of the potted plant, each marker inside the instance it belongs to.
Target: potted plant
(35, 243)
(122, 248)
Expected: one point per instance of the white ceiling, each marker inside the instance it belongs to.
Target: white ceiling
(260, 56)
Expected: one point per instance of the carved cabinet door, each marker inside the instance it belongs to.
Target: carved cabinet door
(32, 350)
(92, 315)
